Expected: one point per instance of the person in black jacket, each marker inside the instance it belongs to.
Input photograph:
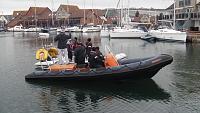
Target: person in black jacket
(88, 45)
(62, 39)
(80, 54)
(96, 58)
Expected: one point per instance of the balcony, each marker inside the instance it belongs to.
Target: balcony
(183, 16)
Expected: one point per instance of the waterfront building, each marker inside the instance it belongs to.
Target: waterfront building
(146, 15)
(35, 16)
(66, 15)
(4, 19)
(70, 15)
(187, 14)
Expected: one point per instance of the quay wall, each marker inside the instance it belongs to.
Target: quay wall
(193, 37)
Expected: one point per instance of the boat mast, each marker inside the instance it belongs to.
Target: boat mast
(35, 14)
(92, 13)
(118, 20)
(68, 12)
(174, 22)
(84, 14)
(121, 16)
(105, 17)
(128, 12)
(52, 13)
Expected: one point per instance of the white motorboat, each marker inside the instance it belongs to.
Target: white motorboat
(87, 29)
(136, 32)
(167, 33)
(73, 29)
(44, 34)
(32, 29)
(18, 28)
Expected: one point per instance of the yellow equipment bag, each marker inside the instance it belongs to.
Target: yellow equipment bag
(41, 54)
(53, 52)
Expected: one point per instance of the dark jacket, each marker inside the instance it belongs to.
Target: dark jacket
(80, 54)
(96, 59)
(62, 39)
(88, 47)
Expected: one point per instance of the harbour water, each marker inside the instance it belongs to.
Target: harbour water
(174, 89)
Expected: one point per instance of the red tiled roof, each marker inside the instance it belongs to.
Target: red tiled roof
(17, 13)
(39, 11)
(70, 8)
(73, 10)
(18, 18)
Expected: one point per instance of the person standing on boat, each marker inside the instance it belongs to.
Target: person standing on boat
(70, 49)
(75, 43)
(80, 54)
(62, 39)
(88, 47)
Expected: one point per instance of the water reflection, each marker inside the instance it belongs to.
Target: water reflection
(94, 97)
(185, 80)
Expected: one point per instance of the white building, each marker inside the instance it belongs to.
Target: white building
(187, 14)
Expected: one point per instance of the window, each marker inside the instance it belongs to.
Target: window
(191, 15)
(187, 2)
(181, 3)
(195, 15)
(186, 15)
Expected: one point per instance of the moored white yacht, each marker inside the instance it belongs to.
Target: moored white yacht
(91, 28)
(73, 29)
(136, 32)
(166, 33)
(44, 34)
(18, 28)
(32, 29)
(169, 35)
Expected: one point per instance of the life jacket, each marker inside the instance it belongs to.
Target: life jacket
(110, 60)
(41, 54)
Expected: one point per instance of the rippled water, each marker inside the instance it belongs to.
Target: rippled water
(174, 89)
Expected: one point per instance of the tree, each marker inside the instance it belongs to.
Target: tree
(137, 14)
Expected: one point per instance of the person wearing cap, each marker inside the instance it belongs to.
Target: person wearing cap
(62, 40)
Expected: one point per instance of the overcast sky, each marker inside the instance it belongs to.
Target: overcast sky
(8, 6)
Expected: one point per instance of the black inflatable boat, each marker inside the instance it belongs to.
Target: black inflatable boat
(129, 69)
